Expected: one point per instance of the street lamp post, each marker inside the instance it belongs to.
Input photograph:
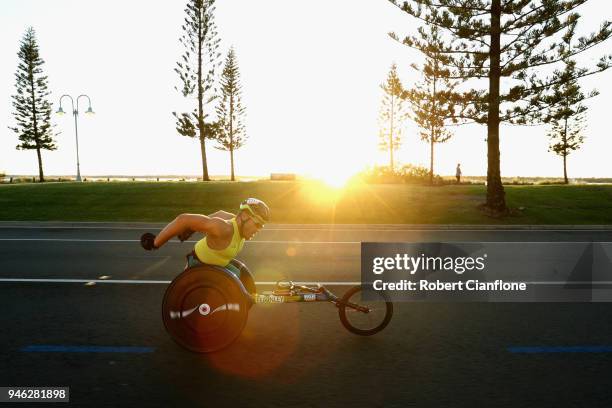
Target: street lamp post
(75, 112)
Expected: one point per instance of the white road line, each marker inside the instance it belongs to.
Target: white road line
(313, 242)
(312, 283)
(68, 240)
(334, 229)
(71, 227)
(26, 280)
(263, 283)
(171, 242)
(144, 282)
(570, 283)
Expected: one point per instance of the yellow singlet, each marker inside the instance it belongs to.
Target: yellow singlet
(220, 257)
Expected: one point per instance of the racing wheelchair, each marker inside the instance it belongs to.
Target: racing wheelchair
(206, 307)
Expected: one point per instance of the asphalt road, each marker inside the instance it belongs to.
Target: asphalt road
(431, 354)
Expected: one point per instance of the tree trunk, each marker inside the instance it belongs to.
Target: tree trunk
(431, 157)
(201, 103)
(391, 135)
(495, 191)
(203, 150)
(391, 164)
(232, 163)
(41, 176)
(231, 131)
(432, 136)
(565, 154)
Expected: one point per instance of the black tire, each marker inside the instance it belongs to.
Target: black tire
(361, 323)
(205, 309)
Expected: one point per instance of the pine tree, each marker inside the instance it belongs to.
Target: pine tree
(392, 116)
(567, 118)
(196, 70)
(32, 107)
(430, 100)
(509, 40)
(566, 136)
(231, 133)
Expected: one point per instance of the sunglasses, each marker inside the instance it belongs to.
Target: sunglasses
(257, 224)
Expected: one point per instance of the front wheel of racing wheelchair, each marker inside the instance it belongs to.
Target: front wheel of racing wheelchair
(206, 307)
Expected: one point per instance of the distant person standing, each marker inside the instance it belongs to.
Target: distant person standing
(458, 173)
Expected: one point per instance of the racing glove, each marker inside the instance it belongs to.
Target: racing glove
(147, 240)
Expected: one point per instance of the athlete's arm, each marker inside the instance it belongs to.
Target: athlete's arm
(195, 222)
(224, 215)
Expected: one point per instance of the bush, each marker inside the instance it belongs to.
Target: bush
(518, 181)
(550, 183)
(407, 174)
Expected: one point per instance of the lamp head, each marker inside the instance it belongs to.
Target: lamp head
(60, 111)
(89, 111)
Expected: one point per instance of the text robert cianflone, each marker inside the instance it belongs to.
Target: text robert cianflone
(413, 264)
(437, 285)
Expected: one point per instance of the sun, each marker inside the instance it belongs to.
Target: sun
(335, 178)
(327, 188)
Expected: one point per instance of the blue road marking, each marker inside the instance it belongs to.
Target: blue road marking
(85, 349)
(560, 349)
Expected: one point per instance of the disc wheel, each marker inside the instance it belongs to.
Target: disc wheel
(363, 323)
(204, 309)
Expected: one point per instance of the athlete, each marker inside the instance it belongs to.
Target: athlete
(225, 233)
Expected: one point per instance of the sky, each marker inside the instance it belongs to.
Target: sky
(311, 74)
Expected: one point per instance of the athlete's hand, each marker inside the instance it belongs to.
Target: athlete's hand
(147, 240)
